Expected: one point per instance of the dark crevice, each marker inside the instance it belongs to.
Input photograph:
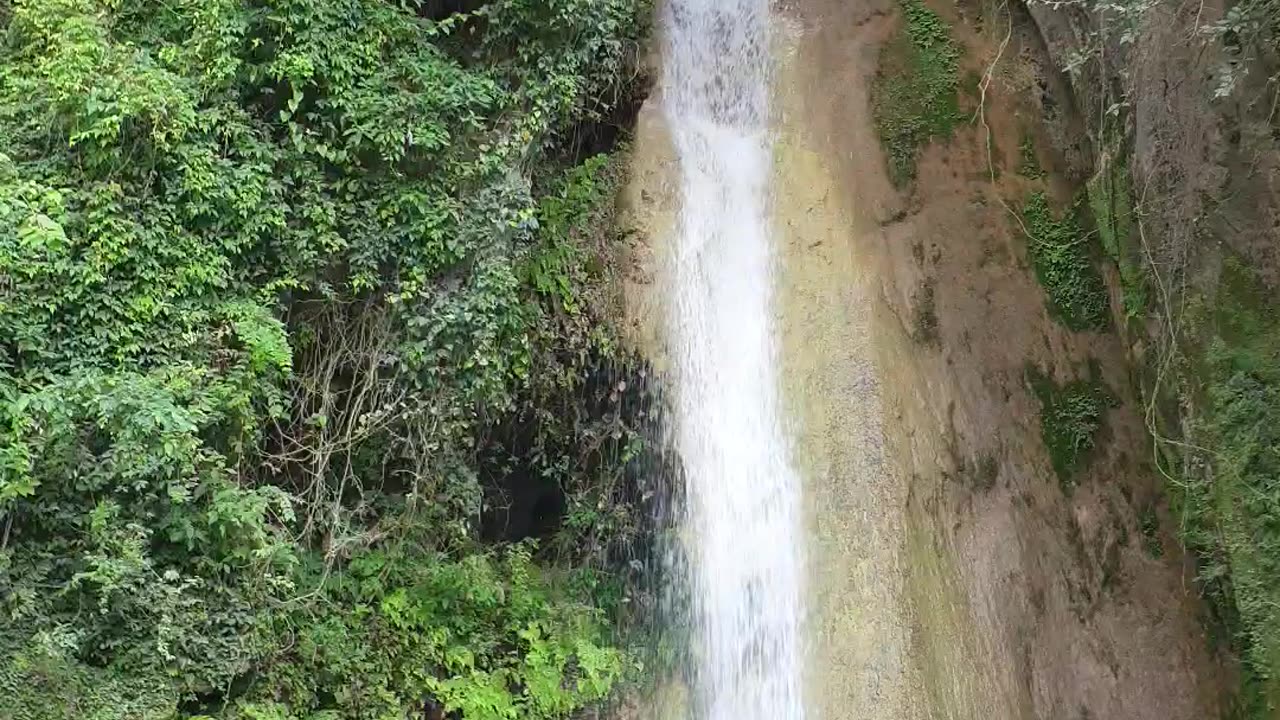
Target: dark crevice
(440, 9)
(603, 131)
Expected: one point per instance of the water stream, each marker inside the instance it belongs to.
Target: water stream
(742, 518)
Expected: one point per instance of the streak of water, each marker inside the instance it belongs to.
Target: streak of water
(742, 518)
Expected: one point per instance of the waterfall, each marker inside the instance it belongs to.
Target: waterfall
(741, 521)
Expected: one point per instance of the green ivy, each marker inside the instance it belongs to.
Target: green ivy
(482, 635)
(1028, 163)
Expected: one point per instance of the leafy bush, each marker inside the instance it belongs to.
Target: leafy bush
(480, 635)
(275, 278)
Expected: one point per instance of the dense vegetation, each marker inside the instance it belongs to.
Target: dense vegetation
(1224, 490)
(309, 406)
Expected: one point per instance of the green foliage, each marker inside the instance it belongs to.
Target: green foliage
(915, 101)
(1059, 252)
(555, 268)
(1028, 163)
(1247, 32)
(1070, 417)
(274, 277)
(43, 680)
(1112, 211)
(582, 412)
(482, 635)
(1149, 523)
(1229, 510)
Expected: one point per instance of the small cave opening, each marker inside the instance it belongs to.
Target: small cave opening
(521, 506)
(440, 9)
(602, 132)
(592, 445)
(607, 120)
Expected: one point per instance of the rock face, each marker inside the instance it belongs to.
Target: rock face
(957, 568)
(956, 575)
(1153, 101)
(1179, 104)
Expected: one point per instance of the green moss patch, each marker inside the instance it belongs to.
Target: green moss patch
(1028, 163)
(1149, 523)
(914, 100)
(1112, 209)
(1059, 252)
(1070, 417)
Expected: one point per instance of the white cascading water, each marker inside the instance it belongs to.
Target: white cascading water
(742, 523)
